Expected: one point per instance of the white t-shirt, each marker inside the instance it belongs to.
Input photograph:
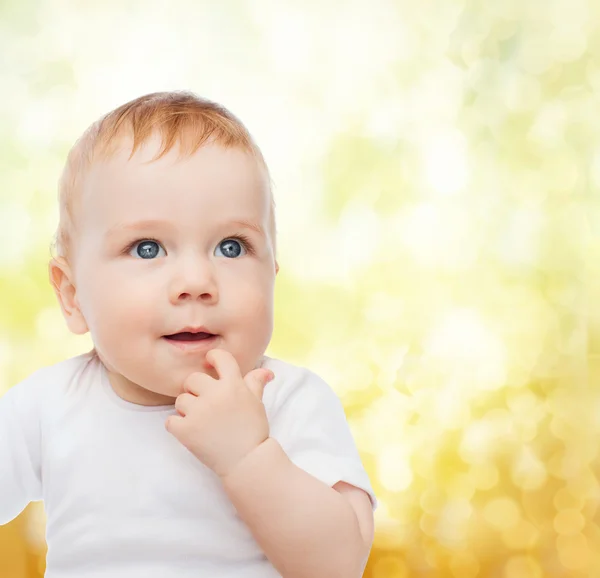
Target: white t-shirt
(123, 497)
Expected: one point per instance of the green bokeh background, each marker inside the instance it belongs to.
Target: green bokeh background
(437, 179)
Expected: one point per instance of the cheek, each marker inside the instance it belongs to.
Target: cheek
(114, 305)
(257, 320)
(254, 297)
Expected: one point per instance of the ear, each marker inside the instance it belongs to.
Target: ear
(276, 267)
(61, 280)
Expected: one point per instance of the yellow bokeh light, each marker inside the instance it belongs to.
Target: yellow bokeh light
(464, 565)
(390, 567)
(573, 551)
(394, 470)
(522, 536)
(522, 567)
(502, 513)
(569, 521)
(528, 472)
(446, 161)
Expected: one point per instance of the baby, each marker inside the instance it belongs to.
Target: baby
(176, 448)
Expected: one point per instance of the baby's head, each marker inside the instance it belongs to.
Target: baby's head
(166, 223)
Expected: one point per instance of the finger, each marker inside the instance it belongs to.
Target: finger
(183, 403)
(196, 382)
(257, 379)
(225, 364)
(173, 424)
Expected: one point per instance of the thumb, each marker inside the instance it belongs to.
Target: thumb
(257, 379)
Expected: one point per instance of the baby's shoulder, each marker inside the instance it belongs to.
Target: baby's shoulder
(295, 384)
(291, 374)
(49, 383)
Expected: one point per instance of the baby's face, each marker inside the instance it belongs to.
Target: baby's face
(183, 265)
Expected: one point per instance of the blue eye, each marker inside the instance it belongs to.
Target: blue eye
(147, 249)
(231, 248)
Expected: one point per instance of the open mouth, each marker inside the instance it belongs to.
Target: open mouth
(186, 336)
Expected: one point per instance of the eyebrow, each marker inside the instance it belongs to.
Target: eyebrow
(160, 224)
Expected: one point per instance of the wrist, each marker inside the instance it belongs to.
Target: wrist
(262, 456)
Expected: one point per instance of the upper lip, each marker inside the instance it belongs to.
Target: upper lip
(192, 330)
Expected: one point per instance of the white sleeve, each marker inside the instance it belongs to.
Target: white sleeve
(311, 426)
(20, 479)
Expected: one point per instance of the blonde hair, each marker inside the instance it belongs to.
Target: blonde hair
(180, 117)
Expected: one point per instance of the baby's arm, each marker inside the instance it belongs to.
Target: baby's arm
(19, 455)
(305, 527)
(304, 493)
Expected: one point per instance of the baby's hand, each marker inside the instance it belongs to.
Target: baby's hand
(222, 420)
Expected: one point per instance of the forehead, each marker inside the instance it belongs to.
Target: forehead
(213, 182)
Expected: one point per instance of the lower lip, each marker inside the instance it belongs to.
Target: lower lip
(194, 346)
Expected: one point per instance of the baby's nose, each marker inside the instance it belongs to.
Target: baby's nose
(196, 282)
